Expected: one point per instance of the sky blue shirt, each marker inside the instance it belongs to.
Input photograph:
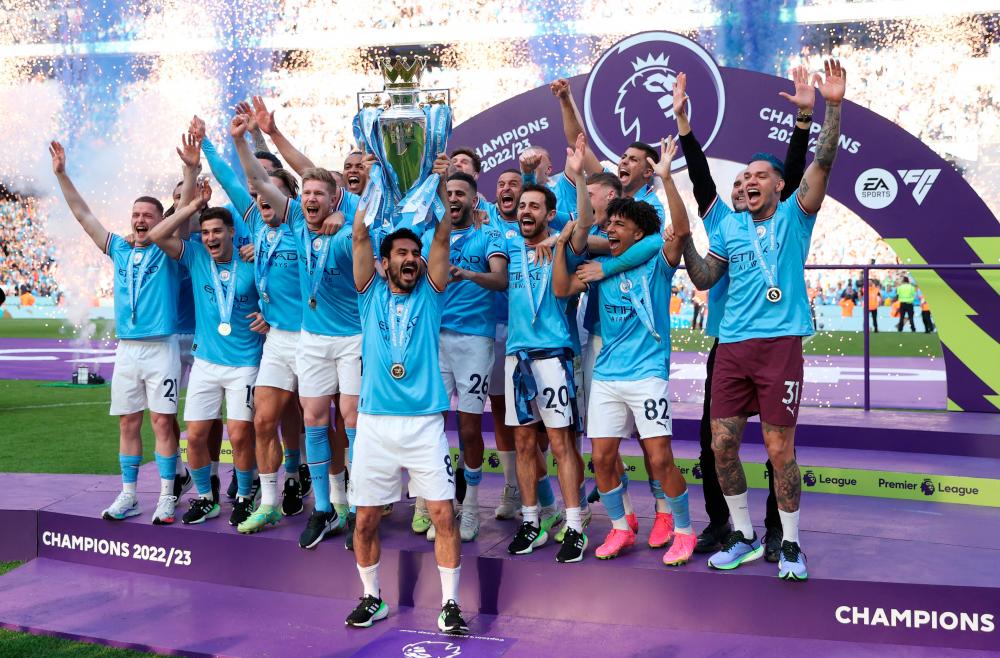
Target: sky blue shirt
(507, 230)
(242, 347)
(156, 295)
(717, 294)
(636, 255)
(185, 304)
(550, 328)
(630, 352)
(748, 314)
(421, 390)
(468, 307)
(336, 312)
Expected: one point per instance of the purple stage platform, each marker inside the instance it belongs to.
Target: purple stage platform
(94, 579)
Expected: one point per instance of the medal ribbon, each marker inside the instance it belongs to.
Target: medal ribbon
(641, 303)
(526, 272)
(770, 267)
(399, 338)
(265, 254)
(316, 271)
(135, 279)
(225, 302)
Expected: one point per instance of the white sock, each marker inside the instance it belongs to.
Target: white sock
(215, 469)
(620, 524)
(662, 505)
(471, 490)
(179, 470)
(739, 511)
(269, 489)
(129, 487)
(166, 486)
(338, 489)
(369, 578)
(530, 514)
(449, 583)
(789, 525)
(508, 462)
(627, 503)
(574, 519)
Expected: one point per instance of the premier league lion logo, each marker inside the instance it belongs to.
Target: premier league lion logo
(927, 487)
(651, 84)
(494, 461)
(809, 478)
(696, 470)
(430, 649)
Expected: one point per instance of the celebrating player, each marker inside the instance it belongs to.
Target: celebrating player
(759, 363)
(147, 360)
(400, 421)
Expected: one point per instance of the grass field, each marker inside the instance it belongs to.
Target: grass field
(846, 343)
(20, 645)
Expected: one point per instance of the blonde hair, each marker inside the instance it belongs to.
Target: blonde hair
(320, 174)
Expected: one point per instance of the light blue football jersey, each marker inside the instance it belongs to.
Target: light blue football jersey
(547, 325)
(468, 307)
(336, 312)
(507, 230)
(241, 347)
(717, 294)
(420, 391)
(630, 350)
(748, 313)
(153, 279)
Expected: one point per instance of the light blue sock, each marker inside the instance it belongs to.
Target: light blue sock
(319, 463)
(292, 460)
(244, 482)
(657, 489)
(203, 480)
(546, 498)
(167, 466)
(473, 477)
(351, 432)
(613, 502)
(130, 467)
(681, 511)
(624, 480)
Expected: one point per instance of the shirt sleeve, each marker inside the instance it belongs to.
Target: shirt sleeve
(496, 245)
(189, 252)
(717, 245)
(227, 178)
(634, 256)
(115, 244)
(716, 212)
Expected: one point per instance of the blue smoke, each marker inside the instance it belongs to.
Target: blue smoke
(556, 48)
(759, 35)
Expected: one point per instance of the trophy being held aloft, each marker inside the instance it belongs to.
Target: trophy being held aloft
(405, 138)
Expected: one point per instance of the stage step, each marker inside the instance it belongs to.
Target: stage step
(863, 553)
(115, 609)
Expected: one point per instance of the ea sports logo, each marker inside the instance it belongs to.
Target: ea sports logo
(875, 188)
(629, 94)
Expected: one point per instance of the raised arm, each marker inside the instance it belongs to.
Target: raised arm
(795, 159)
(295, 158)
(575, 158)
(230, 182)
(672, 248)
(439, 259)
(361, 250)
(256, 135)
(812, 190)
(91, 225)
(190, 156)
(573, 123)
(253, 169)
(164, 234)
(705, 191)
(564, 284)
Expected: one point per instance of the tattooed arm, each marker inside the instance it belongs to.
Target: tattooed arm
(812, 190)
(703, 272)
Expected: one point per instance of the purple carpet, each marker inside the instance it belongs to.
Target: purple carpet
(837, 381)
(94, 576)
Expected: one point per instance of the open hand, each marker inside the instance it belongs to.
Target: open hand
(680, 95)
(190, 150)
(264, 119)
(668, 149)
(590, 272)
(833, 86)
(58, 158)
(576, 155)
(258, 325)
(805, 94)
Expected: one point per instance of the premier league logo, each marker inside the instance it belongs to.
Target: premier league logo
(809, 478)
(927, 487)
(494, 461)
(431, 649)
(629, 95)
(696, 470)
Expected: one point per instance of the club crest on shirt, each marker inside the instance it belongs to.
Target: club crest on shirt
(761, 231)
(399, 310)
(317, 244)
(137, 258)
(531, 256)
(224, 275)
(625, 286)
(272, 236)
(510, 233)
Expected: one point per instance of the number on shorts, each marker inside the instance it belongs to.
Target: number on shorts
(249, 396)
(562, 395)
(447, 466)
(793, 392)
(651, 411)
(480, 384)
(171, 385)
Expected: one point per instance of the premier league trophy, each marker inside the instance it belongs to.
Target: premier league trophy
(405, 139)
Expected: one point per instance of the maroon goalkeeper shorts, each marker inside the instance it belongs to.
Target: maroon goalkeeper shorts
(758, 375)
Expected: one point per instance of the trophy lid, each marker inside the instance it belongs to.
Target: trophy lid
(401, 73)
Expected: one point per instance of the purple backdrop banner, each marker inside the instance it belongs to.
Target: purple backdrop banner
(914, 199)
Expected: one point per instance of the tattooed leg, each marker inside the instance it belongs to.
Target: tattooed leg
(780, 442)
(726, 436)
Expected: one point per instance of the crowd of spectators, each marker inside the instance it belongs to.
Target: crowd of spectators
(27, 257)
